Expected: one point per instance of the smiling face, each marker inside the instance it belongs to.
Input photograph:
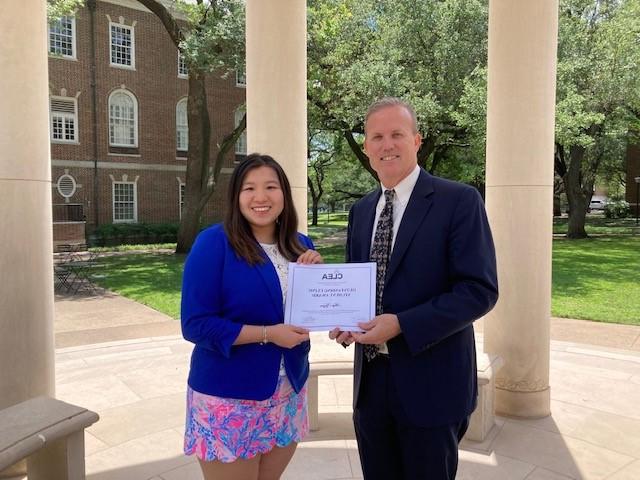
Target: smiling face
(392, 144)
(261, 202)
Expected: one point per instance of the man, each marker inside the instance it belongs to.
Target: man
(415, 380)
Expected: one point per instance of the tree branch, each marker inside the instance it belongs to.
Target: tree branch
(349, 194)
(170, 24)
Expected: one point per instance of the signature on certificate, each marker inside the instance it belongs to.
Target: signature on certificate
(329, 305)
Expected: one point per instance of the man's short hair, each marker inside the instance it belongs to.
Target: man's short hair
(385, 102)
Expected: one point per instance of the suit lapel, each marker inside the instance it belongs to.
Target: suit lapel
(366, 229)
(419, 205)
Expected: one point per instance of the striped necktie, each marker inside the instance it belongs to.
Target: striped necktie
(380, 253)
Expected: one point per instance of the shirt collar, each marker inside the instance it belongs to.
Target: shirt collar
(405, 187)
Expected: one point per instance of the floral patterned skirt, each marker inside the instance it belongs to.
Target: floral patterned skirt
(226, 429)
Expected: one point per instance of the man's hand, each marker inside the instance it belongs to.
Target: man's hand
(343, 338)
(379, 329)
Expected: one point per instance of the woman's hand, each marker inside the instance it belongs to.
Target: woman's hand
(309, 257)
(287, 336)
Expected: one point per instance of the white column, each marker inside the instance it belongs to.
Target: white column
(519, 194)
(277, 89)
(26, 295)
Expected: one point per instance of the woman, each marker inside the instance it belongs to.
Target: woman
(246, 400)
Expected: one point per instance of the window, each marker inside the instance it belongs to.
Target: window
(123, 119)
(241, 79)
(182, 127)
(122, 45)
(181, 194)
(62, 37)
(124, 202)
(182, 66)
(241, 144)
(64, 120)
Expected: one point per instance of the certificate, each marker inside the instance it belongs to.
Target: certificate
(321, 297)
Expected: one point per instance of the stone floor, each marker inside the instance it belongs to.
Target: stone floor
(135, 380)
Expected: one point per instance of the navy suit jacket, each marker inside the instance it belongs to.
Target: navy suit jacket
(440, 278)
(221, 293)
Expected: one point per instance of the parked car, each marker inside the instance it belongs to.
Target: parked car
(597, 203)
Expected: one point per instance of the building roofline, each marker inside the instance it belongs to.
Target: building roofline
(135, 5)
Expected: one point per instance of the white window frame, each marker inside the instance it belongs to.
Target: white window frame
(73, 39)
(135, 118)
(133, 46)
(241, 79)
(183, 64)
(64, 115)
(181, 194)
(182, 128)
(242, 139)
(135, 202)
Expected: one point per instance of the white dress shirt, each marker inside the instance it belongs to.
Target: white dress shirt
(401, 199)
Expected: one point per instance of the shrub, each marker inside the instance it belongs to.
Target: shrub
(133, 234)
(617, 209)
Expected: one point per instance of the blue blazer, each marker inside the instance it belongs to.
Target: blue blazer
(220, 294)
(441, 277)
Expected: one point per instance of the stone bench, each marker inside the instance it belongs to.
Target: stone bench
(47, 432)
(482, 419)
(315, 370)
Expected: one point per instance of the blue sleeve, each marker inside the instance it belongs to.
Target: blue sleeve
(201, 309)
(306, 241)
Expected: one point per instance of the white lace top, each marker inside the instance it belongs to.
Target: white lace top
(281, 265)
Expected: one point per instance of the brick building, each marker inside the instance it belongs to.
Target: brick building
(118, 151)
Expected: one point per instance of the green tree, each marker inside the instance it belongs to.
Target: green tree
(334, 174)
(321, 156)
(60, 8)
(597, 94)
(420, 51)
(347, 180)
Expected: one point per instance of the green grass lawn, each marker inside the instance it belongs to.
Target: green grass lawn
(331, 219)
(599, 225)
(595, 279)
(128, 248)
(328, 224)
(153, 279)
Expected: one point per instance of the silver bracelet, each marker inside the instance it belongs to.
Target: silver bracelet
(264, 335)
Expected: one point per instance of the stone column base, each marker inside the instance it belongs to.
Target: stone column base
(510, 403)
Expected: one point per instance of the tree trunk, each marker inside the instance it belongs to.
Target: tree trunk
(315, 200)
(438, 156)
(197, 161)
(314, 211)
(427, 147)
(578, 195)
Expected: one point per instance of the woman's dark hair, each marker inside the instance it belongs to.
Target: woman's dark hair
(237, 227)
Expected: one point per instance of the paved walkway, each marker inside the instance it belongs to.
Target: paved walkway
(128, 363)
